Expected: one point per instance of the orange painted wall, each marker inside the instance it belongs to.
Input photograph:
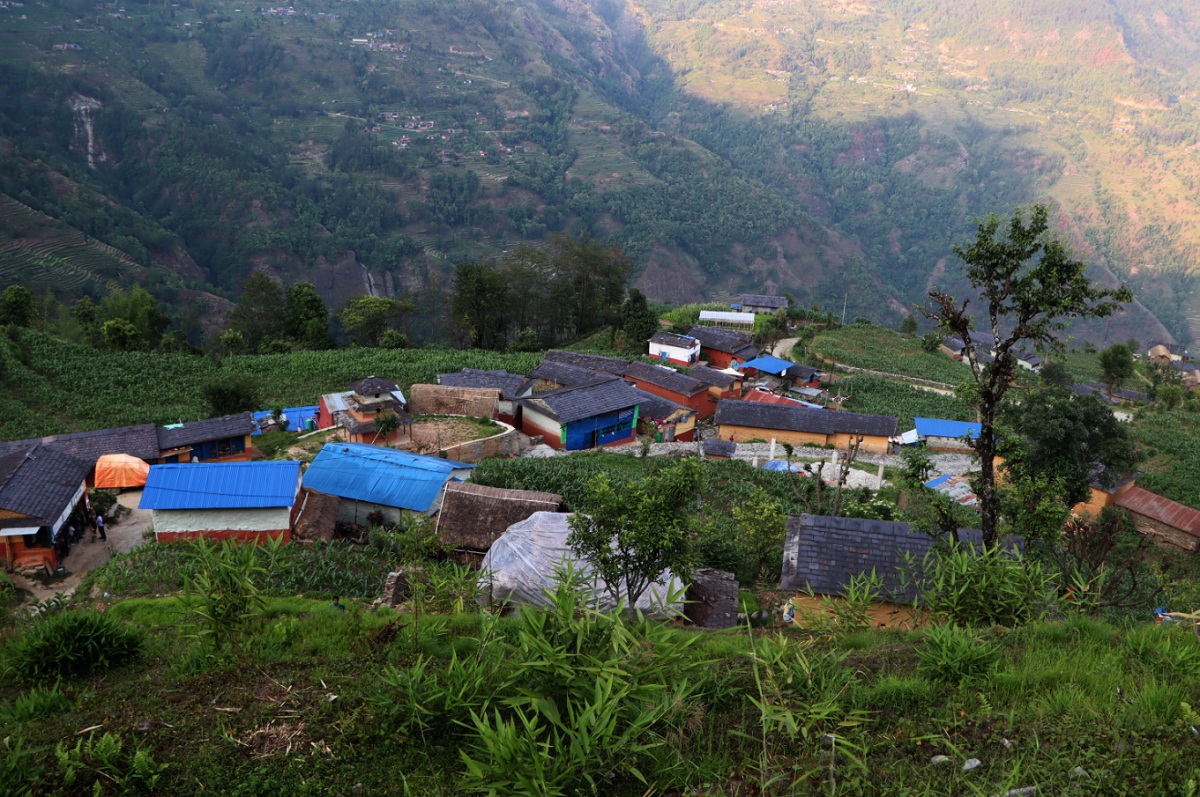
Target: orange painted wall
(891, 616)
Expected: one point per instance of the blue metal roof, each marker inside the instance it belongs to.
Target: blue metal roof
(221, 485)
(936, 427)
(932, 483)
(768, 364)
(379, 475)
(296, 416)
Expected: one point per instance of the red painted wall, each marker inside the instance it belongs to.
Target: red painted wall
(255, 537)
(701, 403)
(324, 416)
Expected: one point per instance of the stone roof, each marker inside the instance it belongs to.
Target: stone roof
(569, 404)
(566, 375)
(138, 441)
(474, 515)
(373, 386)
(665, 338)
(803, 419)
(763, 300)
(510, 386)
(38, 482)
(666, 378)
(195, 432)
(725, 340)
(657, 408)
(711, 376)
(719, 448)
(805, 373)
(593, 362)
(823, 553)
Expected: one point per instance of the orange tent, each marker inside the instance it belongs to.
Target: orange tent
(120, 470)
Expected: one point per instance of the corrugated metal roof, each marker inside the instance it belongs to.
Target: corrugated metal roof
(221, 485)
(380, 475)
(937, 427)
(768, 364)
(728, 318)
(336, 402)
(1164, 510)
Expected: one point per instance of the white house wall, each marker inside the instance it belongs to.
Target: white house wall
(180, 520)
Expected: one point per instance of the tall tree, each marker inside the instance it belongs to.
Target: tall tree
(479, 304)
(1117, 363)
(257, 314)
(365, 318)
(306, 318)
(17, 306)
(1031, 286)
(590, 280)
(638, 320)
(142, 312)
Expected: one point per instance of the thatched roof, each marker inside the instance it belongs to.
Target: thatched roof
(318, 516)
(473, 516)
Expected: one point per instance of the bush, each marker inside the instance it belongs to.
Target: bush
(954, 654)
(36, 703)
(73, 643)
(995, 587)
(227, 394)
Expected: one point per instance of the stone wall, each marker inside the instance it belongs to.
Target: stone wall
(1163, 535)
(504, 444)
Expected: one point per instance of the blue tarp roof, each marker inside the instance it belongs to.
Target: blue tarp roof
(936, 427)
(221, 485)
(782, 466)
(296, 416)
(379, 475)
(932, 483)
(768, 364)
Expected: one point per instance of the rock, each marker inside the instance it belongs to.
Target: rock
(1007, 744)
(1079, 772)
(397, 587)
(828, 740)
(1122, 746)
(940, 759)
(972, 764)
(712, 599)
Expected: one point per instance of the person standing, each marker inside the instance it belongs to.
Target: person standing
(100, 527)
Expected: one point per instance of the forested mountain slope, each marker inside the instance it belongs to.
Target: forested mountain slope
(833, 150)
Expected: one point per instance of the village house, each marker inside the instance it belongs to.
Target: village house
(1164, 522)
(664, 420)
(787, 374)
(723, 347)
(473, 516)
(354, 412)
(587, 416)
(243, 501)
(762, 395)
(671, 348)
(984, 343)
(591, 362)
(822, 554)
(373, 481)
(721, 384)
(719, 449)
(759, 304)
(670, 384)
(1161, 350)
(554, 375)
(224, 439)
(1105, 492)
(943, 435)
(741, 421)
(42, 490)
(1118, 395)
(511, 387)
(723, 319)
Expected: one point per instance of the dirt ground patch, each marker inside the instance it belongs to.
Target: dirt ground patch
(123, 536)
(429, 436)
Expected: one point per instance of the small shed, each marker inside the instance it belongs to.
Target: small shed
(719, 449)
(741, 322)
(245, 501)
(372, 479)
(1166, 523)
(317, 519)
(524, 563)
(473, 516)
(943, 435)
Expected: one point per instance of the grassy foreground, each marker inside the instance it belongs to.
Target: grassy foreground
(323, 702)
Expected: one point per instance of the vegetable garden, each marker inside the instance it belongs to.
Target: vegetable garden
(882, 349)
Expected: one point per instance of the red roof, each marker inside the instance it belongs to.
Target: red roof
(763, 397)
(1164, 510)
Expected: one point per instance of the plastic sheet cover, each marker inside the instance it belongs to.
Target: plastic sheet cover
(523, 563)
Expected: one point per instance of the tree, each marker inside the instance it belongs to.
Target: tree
(479, 303)
(1055, 374)
(306, 318)
(1170, 395)
(141, 310)
(386, 423)
(631, 535)
(1117, 363)
(366, 317)
(257, 314)
(17, 306)
(1067, 438)
(930, 342)
(638, 320)
(1029, 284)
(930, 511)
(87, 315)
(908, 327)
(229, 394)
(120, 335)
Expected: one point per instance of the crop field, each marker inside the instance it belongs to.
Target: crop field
(51, 386)
(882, 349)
(1171, 443)
(881, 396)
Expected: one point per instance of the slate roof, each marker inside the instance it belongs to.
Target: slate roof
(823, 553)
(510, 386)
(666, 378)
(725, 340)
(38, 482)
(1164, 510)
(657, 408)
(569, 404)
(190, 434)
(803, 419)
(593, 362)
(222, 485)
(805, 373)
(566, 375)
(379, 475)
(1101, 390)
(665, 338)
(373, 386)
(711, 376)
(762, 300)
(474, 515)
(719, 448)
(139, 441)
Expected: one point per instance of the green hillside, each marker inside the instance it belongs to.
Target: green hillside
(834, 152)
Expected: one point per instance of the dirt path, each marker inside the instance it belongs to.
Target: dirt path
(123, 536)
